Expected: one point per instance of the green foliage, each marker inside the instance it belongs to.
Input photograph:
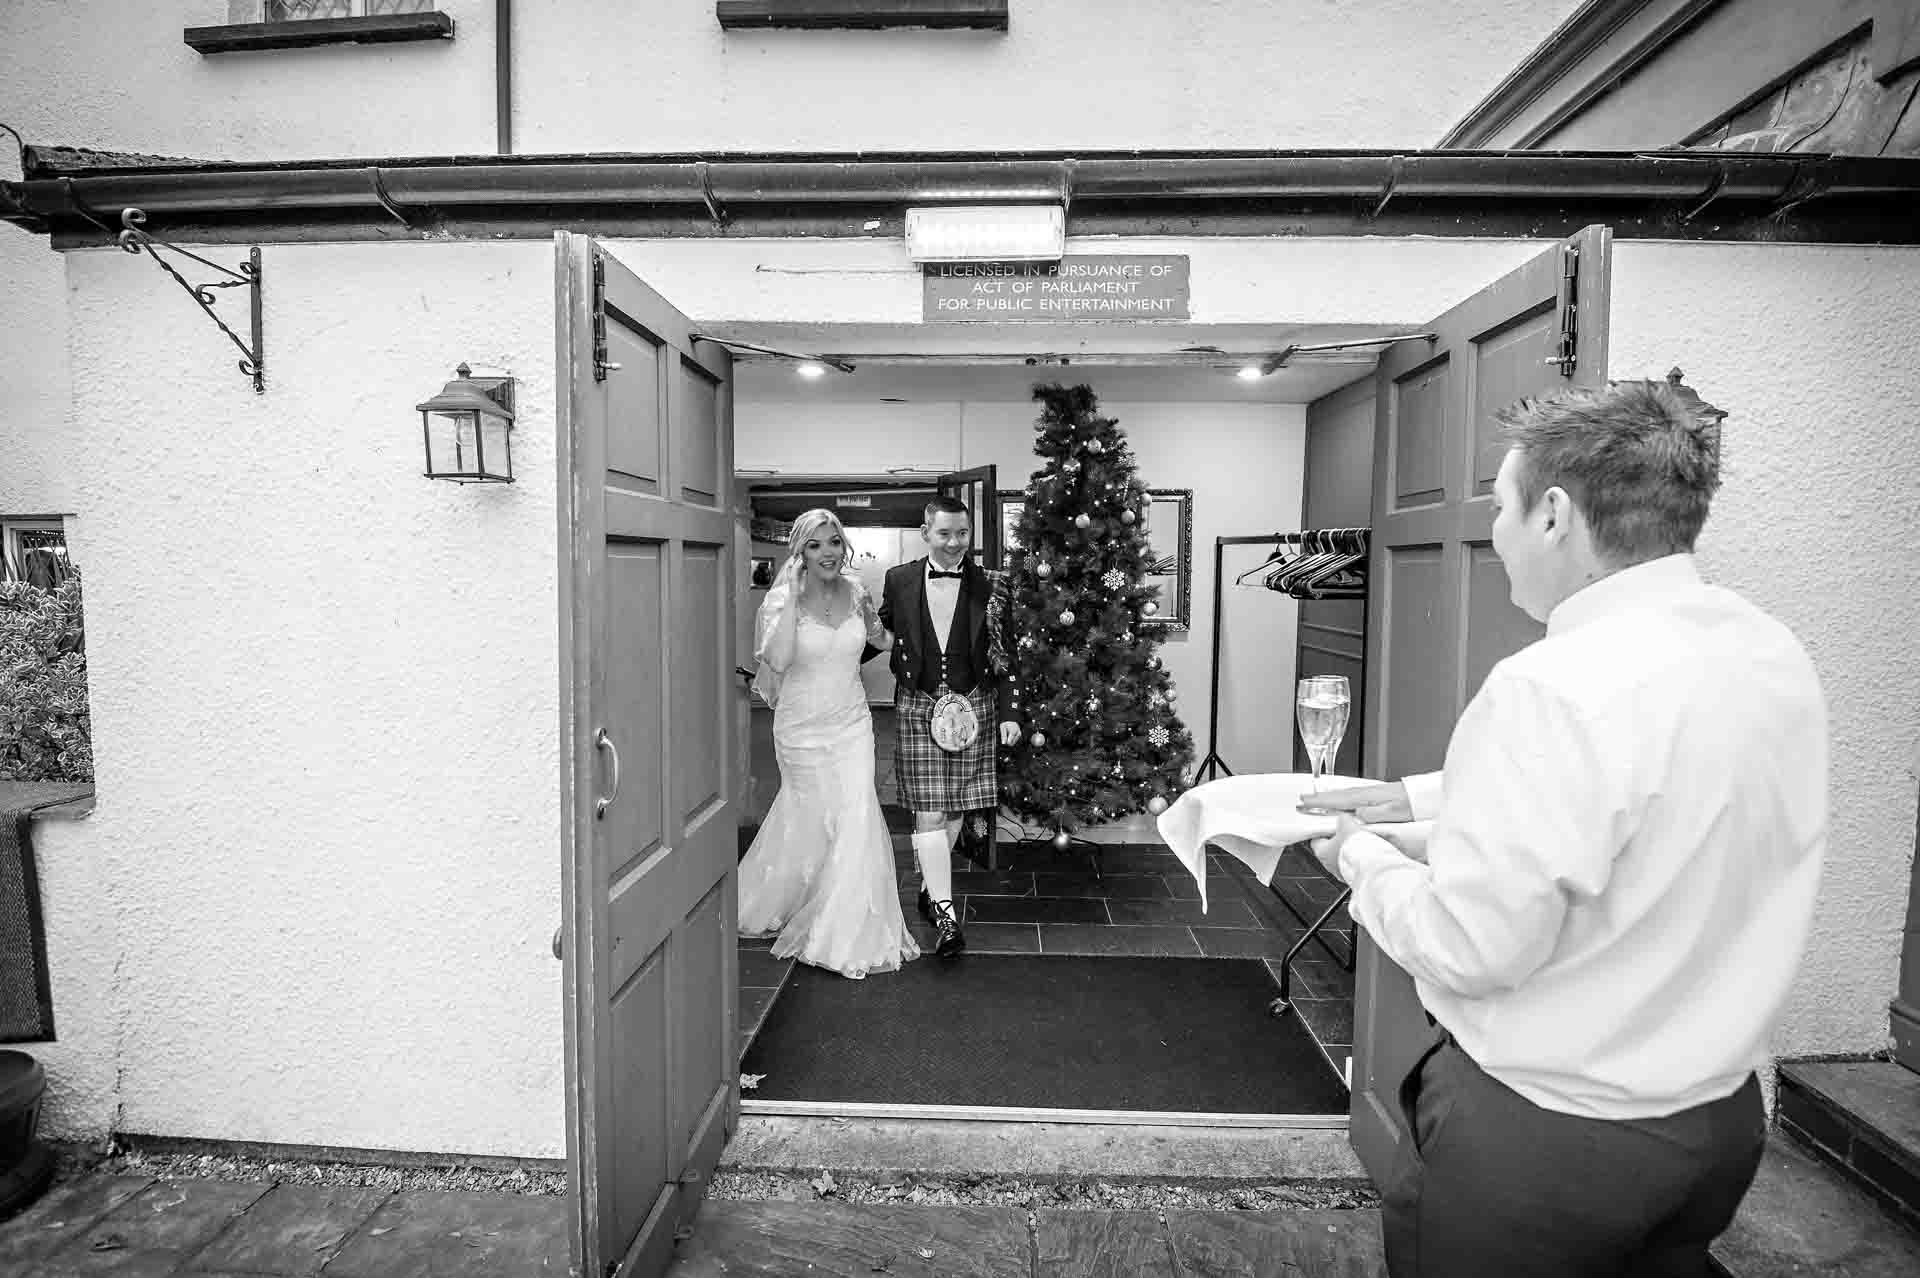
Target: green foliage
(1093, 686)
(45, 731)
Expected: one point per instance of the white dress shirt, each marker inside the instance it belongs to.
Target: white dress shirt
(1621, 875)
(943, 596)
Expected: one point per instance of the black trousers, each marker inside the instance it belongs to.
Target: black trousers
(1492, 1184)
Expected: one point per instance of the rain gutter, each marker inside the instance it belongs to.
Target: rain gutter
(712, 194)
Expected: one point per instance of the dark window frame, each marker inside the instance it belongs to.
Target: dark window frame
(867, 15)
(308, 33)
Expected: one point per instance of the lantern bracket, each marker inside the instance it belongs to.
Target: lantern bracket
(134, 239)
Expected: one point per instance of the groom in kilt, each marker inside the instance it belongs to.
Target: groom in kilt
(952, 670)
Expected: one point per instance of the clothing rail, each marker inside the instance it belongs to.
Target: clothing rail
(1214, 766)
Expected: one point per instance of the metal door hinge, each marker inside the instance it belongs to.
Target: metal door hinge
(601, 364)
(1567, 307)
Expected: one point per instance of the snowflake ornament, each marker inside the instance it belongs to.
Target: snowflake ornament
(1114, 579)
(1158, 736)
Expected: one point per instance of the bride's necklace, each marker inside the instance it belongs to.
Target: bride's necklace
(823, 610)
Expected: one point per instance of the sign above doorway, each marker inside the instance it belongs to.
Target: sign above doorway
(1153, 287)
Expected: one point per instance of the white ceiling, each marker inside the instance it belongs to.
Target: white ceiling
(923, 363)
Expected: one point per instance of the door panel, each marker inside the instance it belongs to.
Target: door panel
(1418, 437)
(1416, 693)
(645, 452)
(976, 488)
(1506, 367)
(697, 410)
(1441, 617)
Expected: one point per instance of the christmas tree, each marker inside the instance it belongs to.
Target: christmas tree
(1102, 740)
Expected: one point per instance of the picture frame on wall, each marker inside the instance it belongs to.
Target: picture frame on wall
(1169, 532)
(1013, 504)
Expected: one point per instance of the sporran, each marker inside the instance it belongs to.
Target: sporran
(954, 725)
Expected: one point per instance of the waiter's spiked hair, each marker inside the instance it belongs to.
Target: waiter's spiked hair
(1640, 459)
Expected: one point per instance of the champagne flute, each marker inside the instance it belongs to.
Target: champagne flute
(1321, 707)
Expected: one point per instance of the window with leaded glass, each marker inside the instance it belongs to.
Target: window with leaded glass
(313, 10)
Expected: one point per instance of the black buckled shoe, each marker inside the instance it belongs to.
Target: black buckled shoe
(951, 942)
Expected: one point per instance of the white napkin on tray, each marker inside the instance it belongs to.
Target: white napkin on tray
(1256, 817)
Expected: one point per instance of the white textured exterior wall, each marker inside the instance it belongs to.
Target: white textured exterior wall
(325, 858)
(1816, 522)
(1230, 74)
(1242, 461)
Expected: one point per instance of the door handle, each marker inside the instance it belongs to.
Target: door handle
(601, 741)
(744, 673)
(556, 939)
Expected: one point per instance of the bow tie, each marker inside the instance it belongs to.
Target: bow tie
(935, 574)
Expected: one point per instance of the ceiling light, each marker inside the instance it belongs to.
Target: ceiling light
(1250, 373)
(988, 233)
(812, 370)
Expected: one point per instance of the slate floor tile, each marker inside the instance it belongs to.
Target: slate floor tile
(1101, 1244)
(831, 1240)
(157, 1230)
(1034, 909)
(1264, 1244)
(422, 1234)
(292, 1230)
(61, 1215)
(1330, 1019)
(1218, 913)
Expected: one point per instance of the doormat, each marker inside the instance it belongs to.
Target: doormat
(1182, 1035)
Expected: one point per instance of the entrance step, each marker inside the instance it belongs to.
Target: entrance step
(1042, 1151)
(780, 1239)
(1863, 1117)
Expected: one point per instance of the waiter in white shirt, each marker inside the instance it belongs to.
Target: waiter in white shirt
(1620, 880)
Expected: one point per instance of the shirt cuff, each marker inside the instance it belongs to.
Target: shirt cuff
(1365, 853)
(1423, 794)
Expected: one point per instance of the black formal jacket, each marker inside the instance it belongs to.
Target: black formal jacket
(982, 619)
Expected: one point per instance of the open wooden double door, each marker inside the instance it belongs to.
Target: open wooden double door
(649, 769)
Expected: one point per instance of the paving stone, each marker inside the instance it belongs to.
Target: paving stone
(1270, 1244)
(439, 1235)
(1801, 1218)
(61, 1215)
(828, 1240)
(156, 1231)
(293, 1230)
(1101, 1244)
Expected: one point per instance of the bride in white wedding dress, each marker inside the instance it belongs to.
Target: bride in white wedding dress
(820, 875)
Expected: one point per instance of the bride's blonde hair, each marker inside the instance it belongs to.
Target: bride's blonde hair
(822, 524)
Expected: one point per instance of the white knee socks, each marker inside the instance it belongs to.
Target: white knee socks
(935, 854)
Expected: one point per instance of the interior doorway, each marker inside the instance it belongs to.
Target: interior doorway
(1123, 944)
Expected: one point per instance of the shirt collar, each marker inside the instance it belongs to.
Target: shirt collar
(1625, 589)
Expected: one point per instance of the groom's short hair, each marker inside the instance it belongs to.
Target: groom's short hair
(944, 505)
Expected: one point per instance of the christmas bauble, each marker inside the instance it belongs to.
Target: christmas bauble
(1066, 618)
(1062, 841)
(1127, 516)
(1157, 804)
(1043, 571)
(1081, 520)
(1148, 608)
(1038, 740)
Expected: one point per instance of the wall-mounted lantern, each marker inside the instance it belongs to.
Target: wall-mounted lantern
(468, 430)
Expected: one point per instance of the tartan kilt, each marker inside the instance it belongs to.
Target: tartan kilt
(931, 780)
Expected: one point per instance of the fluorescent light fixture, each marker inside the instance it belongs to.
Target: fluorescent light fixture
(1250, 373)
(988, 233)
(811, 370)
